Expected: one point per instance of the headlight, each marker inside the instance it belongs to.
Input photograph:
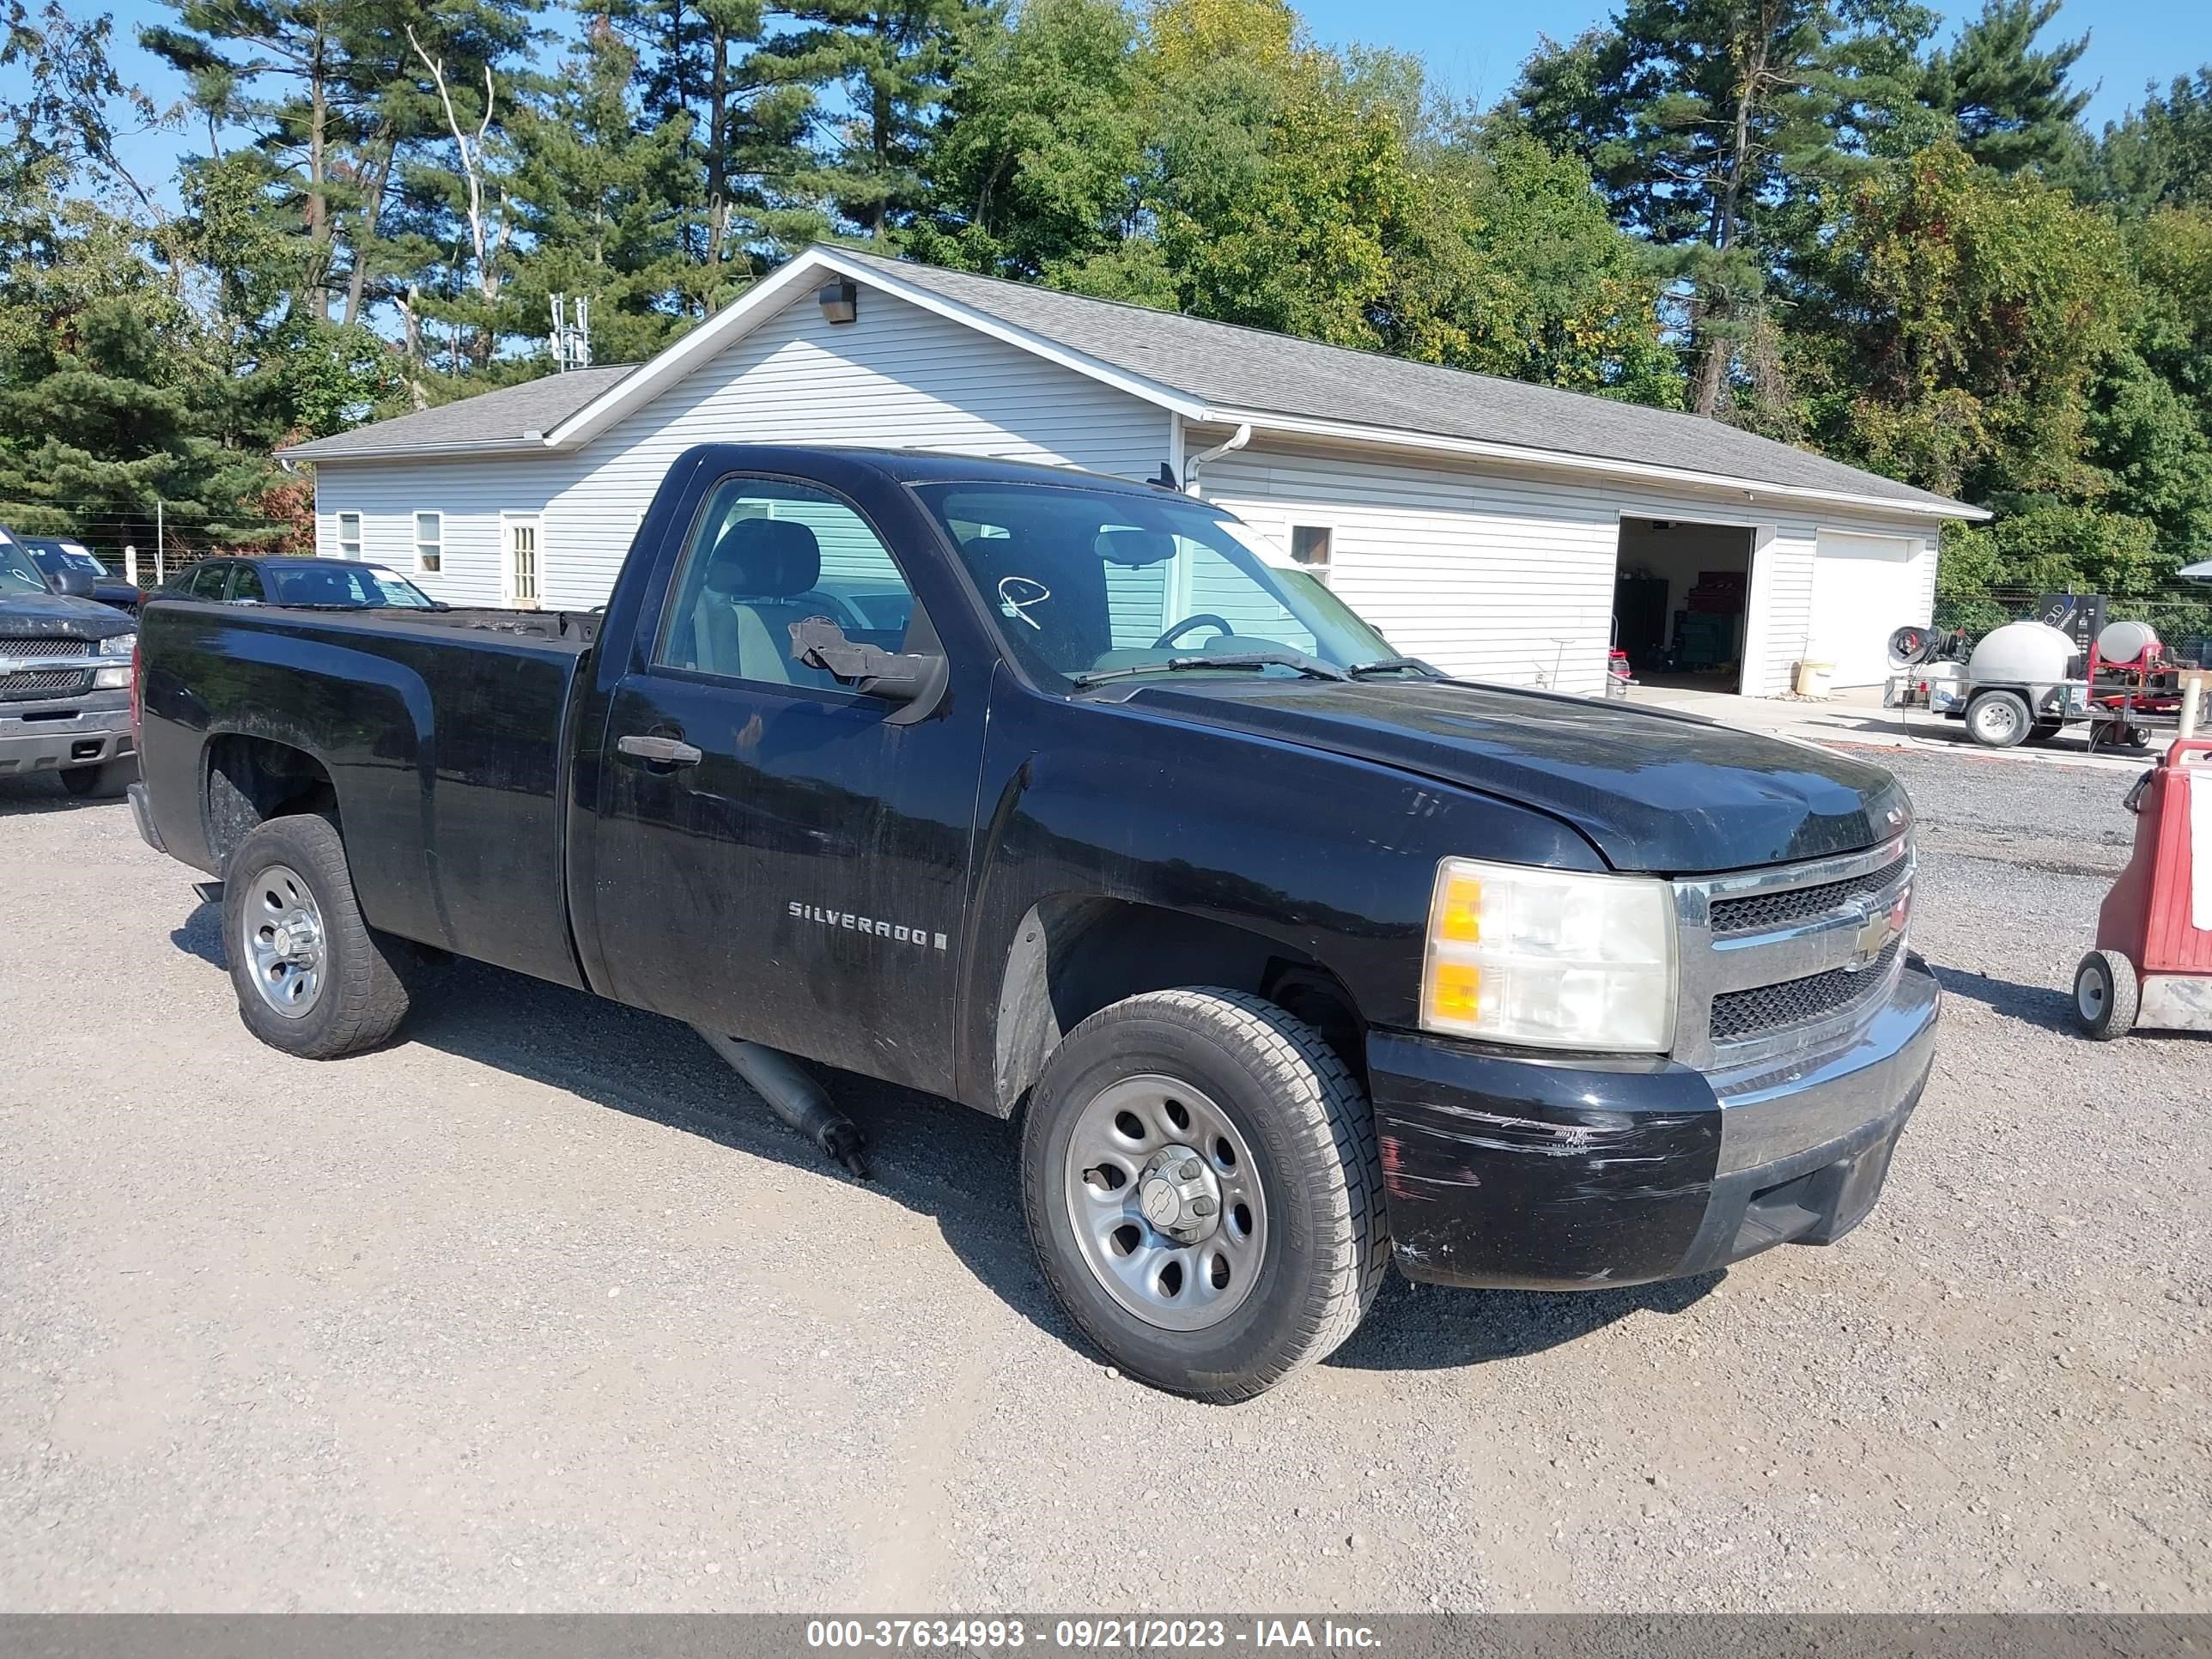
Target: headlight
(119, 645)
(110, 679)
(1550, 958)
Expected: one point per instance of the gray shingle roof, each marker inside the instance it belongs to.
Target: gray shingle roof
(1228, 368)
(1250, 369)
(507, 416)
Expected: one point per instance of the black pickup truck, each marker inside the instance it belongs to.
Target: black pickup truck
(1049, 794)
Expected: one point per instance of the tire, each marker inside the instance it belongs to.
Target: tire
(2107, 996)
(101, 782)
(2044, 730)
(288, 869)
(1998, 720)
(1307, 1178)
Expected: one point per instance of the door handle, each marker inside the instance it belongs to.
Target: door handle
(668, 751)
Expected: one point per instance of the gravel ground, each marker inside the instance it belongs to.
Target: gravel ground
(538, 1310)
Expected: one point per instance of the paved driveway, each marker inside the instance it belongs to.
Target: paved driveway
(538, 1310)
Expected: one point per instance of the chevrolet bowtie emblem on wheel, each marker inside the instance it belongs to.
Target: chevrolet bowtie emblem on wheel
(1881, 929)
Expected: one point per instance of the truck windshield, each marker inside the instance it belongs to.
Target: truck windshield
(350, 586)
(1089, 584)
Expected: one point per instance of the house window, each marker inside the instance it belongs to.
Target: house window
(429, 541)
(349, 535)
(1309, 545)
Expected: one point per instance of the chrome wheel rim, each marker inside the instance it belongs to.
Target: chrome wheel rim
(280, 930)
(1165, 1202)
(1998, 720)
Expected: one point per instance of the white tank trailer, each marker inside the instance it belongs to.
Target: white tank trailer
(2023, 680)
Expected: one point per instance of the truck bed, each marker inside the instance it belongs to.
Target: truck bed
(444, 733)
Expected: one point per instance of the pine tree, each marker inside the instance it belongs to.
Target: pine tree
(740, 127)
(880, 72)
(1714, 128)
(2010, 104)
(601, 191)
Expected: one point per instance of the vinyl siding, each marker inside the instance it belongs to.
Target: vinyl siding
(897, 376)
(1508, 577)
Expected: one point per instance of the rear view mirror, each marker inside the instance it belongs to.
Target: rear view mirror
(913, 679)
(71, 581)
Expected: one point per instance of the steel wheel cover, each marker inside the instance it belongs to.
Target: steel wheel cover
(1165, 1202)
(281, 936)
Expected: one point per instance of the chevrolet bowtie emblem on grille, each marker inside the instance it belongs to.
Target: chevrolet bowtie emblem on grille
(1881, 929)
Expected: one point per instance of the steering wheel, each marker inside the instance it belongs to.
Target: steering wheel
(1184, 627)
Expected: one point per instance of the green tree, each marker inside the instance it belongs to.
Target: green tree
(739, 125)
(601, 191)
(2009, 104)
(1963, 319)
(1714, 128)
(1036, 169)
(2160, 155)
(880, 72)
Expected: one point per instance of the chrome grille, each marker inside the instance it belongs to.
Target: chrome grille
(43, 682)
(1758, 912)
(1817, 996)
(43, 646)
(1778, 962)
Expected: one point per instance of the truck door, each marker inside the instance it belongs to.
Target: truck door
(773, 859)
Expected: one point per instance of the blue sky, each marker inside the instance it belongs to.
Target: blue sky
(1474, 47)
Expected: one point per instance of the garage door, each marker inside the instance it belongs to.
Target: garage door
(1864, 587)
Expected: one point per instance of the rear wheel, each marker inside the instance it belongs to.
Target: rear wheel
(1997, 719)
(313, 978)
(2107, 996)
(1202, 1187)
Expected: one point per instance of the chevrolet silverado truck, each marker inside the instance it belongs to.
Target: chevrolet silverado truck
(1057, 796)
(64, 681)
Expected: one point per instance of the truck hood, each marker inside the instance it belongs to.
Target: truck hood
(56, 616)
(1652, 789)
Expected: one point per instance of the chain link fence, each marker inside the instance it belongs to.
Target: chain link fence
(2180, 612)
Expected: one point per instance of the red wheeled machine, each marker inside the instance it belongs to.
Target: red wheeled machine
(2152, 963)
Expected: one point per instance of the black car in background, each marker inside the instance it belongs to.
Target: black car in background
(297, 584)
(70, 567)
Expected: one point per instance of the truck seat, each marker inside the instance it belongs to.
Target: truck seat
(753, 592)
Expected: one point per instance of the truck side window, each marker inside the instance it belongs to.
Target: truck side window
(767, 554)
(247, 586)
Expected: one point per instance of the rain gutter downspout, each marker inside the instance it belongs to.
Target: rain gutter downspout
(1237, 441)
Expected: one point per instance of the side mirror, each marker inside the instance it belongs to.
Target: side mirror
(914, 680)
(73, 583)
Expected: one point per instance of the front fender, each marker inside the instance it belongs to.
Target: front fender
(1331, 858)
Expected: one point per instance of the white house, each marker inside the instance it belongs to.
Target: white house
(1494, 528)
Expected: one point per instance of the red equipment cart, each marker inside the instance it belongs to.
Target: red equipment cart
(2152, 963)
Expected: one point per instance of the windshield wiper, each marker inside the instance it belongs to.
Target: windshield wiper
(1392, 665)
(1313, 667)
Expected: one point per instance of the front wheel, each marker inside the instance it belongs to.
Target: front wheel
(312, 977)
(1998, 720)
(1202, 1189)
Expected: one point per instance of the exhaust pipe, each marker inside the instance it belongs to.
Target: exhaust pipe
(792, 1095)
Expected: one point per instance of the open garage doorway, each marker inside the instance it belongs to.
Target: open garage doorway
(1682, 602)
